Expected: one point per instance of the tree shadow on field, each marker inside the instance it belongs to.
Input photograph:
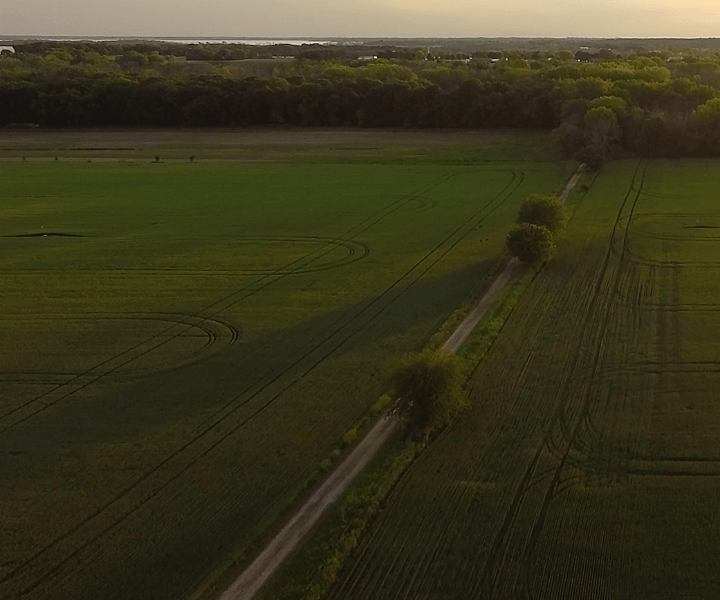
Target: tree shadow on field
(244, 428)
(354, 348)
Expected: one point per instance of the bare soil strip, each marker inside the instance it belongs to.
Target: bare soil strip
(129, 139)
(286, 541)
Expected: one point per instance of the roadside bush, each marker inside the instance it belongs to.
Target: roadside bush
(571, 138)
(349, 437)
(532, 244)
(592, 156)
(430, 388)
(546, 211)
(380, 405)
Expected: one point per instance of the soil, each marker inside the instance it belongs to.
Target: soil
(129, 139)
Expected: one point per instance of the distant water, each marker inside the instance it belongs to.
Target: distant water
(252, 42)
(257, 42)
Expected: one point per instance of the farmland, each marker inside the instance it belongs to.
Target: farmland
(184, 342)
(587, 464)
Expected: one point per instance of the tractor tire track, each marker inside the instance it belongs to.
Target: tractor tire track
(214, 309)
(486, 586)
(587, 401)
(67, 557)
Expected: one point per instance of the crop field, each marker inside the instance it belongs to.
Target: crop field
(588, 463)
(184, 343)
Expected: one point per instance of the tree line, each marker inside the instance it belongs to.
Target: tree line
(215, 101)
(600, 105)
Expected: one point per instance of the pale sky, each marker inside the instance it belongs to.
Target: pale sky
(362, 18)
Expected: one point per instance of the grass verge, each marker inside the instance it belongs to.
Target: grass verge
(482, 338)
(314, 568)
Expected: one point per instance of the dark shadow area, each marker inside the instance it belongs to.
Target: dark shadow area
(302, 387)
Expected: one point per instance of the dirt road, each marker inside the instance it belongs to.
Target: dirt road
(290, 536)
(280, 547)
(470, 322)
(506, 276)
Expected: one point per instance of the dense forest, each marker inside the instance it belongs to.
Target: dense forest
(600, 102)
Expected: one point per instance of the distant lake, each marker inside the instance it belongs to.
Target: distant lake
(129, 40)
(258, 42)
(255, 42)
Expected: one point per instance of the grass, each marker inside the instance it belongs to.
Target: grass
(202, 337)
(278, 145)
(587, 462)
(313, 570)
(486, 333)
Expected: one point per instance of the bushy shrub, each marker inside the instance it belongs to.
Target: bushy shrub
(532, 244)
(430, 388)
(571, 138)
(349, 437)
(546, 211)
(380, 405)
(592, 156)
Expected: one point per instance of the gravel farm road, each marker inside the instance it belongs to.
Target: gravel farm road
(274, 554)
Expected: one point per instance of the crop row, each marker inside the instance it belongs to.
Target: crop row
(585, 459)
(159, 481)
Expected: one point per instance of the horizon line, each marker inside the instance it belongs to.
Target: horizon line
(328, 37)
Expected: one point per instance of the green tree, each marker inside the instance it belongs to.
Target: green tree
(614, 103)
(570, 137)
(546, 211)
(430, 388)
(601, 128)
(592, 157)
(709, 112)
(532, 244)
(519, 63)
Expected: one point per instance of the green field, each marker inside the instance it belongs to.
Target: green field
(587, 464)
(184, 343)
